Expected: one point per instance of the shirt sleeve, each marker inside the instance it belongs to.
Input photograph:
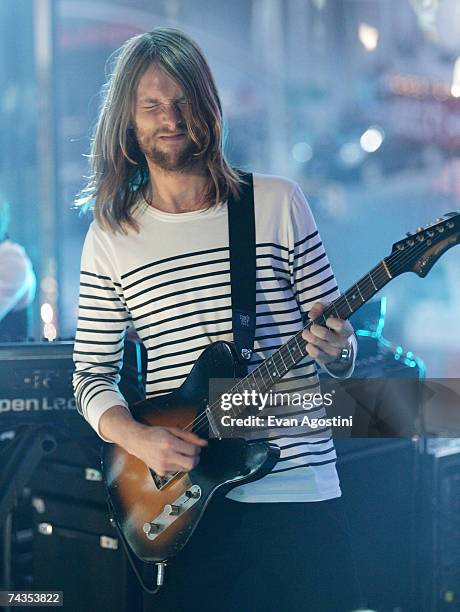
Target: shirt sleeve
(312, 277)
(102, 322)
(15, 277)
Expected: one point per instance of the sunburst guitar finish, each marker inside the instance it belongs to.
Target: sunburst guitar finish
(157, 520)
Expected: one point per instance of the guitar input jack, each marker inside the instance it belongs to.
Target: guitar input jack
(161, 566)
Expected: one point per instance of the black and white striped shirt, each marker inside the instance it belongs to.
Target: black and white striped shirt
(171, 281)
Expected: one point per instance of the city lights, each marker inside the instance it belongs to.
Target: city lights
(455, 89)
(368, 36)
(351, 154)
(302, 152)
(372, 139)
(49, 331)
(46, 313)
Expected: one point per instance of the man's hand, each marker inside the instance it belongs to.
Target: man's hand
(324, 344)
(167, 449)
(163, 449)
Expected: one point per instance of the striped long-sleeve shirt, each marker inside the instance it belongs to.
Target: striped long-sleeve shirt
(171, 281)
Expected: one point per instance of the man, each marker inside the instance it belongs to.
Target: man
(157, 258)
(17, 284)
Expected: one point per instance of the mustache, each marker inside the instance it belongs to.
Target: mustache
(179, 130)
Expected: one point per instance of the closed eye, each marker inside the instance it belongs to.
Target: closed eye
(182, 104)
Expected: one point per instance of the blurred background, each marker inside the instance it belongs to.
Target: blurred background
(356, 100)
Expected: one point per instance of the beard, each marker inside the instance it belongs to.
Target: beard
(175, 159)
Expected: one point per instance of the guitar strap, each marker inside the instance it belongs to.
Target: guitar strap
(242, 242)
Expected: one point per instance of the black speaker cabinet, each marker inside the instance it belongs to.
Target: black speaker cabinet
(378, 485)
(438, 551)
(403, 503)
(77, 551)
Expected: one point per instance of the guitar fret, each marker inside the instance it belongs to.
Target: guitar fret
(359, 291)
(348, 303)
(273, 363)
(382, 278)
(366, 289)
(254, 384)
(289, 349)
(321, 320)
(296, 349)
(341, 314)
(385, 267)
(265, 363)
(284, 364)
(372, 281)
(299, 345)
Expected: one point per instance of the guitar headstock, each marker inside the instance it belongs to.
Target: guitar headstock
(418, 252)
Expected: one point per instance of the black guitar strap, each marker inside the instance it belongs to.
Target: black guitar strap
(242, 241)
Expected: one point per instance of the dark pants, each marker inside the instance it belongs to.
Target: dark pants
(247, 557)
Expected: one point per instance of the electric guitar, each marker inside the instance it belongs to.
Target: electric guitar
(157, 515)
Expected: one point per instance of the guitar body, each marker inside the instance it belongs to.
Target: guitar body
(173, 510)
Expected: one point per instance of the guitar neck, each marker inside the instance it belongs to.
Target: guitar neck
(294, 350)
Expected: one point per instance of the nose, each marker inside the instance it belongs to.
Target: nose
(171, 116)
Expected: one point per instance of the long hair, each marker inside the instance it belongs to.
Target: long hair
(118, 167)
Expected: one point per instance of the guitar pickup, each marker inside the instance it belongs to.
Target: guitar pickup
(212, 424)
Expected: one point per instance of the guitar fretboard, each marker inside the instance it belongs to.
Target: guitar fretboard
(273, 369)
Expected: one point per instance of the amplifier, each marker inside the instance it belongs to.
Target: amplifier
(77, 551)
(403, 504)
(34, 370)
(377, 478)
(438, 551)
(61, 538)
(36, 383)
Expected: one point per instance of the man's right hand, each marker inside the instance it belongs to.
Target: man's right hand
(163, 449)
(167, 449)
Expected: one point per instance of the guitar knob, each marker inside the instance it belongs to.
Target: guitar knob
(172, 509)
(151, 528)
(193, 493)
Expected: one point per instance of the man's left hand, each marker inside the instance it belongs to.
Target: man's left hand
(325, 344)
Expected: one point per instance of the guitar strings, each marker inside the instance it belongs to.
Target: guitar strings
(201, 422)
(202, 419)
(273, 357)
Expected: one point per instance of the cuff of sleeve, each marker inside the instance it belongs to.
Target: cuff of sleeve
(349, 371)
(101, 404)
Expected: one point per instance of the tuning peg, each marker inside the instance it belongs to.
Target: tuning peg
(452, 214)
(419, 229)
(408, 234)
